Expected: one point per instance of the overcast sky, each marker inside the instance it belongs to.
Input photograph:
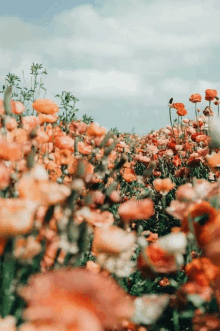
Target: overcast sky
(123, 59)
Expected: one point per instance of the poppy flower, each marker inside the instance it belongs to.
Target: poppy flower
(182, 112)
(17, 216)
(35, 186)
(202, 271)
(136, 210)
(17, 107)
(195, 98)
(10, 151)
(50, 118)
(163, 185)
(45, 106)
(94, 129)
(129, 175)
(88, 300)
(210, 94)
(112, 240)
(64, 142)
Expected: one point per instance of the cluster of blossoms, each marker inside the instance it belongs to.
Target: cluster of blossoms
(72, 190)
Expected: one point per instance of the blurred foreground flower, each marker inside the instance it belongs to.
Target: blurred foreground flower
(75, 300)
(136, 210)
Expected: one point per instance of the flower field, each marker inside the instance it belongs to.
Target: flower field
(102, 230)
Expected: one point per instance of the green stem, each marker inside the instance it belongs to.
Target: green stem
(171, 120)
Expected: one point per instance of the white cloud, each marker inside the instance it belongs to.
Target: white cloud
(95, 83)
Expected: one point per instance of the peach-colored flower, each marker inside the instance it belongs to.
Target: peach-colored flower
(64, 142)
(210, 94)
(35, 186)
(50, 118)
(95, 130)
(10, 151)
(17, 216)
(17, 107)
(129, 175)
(112, 240)
(29, 122)
(195, 98)
(10, 123)
(136, 210)
(202, 271)
(45, 106)
(88, 300)
(4, 177)
(163, 185)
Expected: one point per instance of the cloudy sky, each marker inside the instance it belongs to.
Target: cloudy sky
(123, 59)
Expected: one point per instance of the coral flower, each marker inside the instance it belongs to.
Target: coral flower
(95, 130)
(17, 107)
(4, 177)
(195, 98)
(182, 112)
(45, 106)
(112, 240)
(29, 122)
(178, 106)
(201, 270)
(136, 210)
(214, 160)
(156, 258)
(10, 151)
(75, 300)
(35, 185)
(129, 175)
(17, 216)
(210, 94)
(51, 118)
(64, 142)
(163, 185)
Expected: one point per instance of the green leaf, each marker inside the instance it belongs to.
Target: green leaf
(8, 276)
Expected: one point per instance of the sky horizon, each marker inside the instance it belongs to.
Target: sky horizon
(122, 59)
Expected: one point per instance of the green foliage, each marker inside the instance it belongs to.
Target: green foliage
(87, 119)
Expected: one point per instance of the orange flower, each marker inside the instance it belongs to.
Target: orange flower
(4, 176)
(129, 175)
(35, 185)
(20, 136)
(156, 258)
(176, 160)
(84, 148)
(95, 130)
(210, 94)
(214, 160)
(75, 300)
(17, 107)
(136, 210)
(201, 270)
(197, 210)
(17, 216)
(10, 151)
(182, 112)
(51, 118)
(112, 240)
(163, 185)
(195, 98)
(45, 106)
(29, 122)
(11, 123)
(64, 156)
(178, 106)
(64, 142)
